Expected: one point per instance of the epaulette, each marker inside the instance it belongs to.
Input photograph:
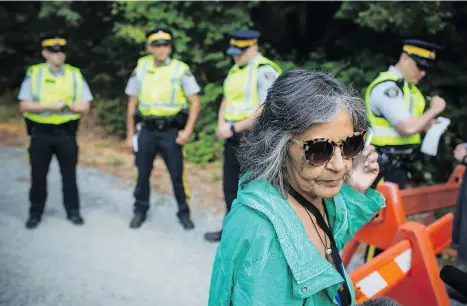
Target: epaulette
(400, 84)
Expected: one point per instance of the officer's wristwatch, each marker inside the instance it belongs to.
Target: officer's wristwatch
(232, 127)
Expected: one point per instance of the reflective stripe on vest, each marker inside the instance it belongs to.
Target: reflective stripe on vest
(241, 91)
(47, 89)
(384, 133)
(161, 93)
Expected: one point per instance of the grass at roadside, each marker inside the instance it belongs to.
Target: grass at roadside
(9, 112)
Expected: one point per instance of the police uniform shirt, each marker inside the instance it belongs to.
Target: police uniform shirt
(188, 83)
(266, 76)
(387, 100)
(25, 93)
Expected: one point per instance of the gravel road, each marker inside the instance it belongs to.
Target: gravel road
(103, 262)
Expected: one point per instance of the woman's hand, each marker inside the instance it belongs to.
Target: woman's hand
(365, 170)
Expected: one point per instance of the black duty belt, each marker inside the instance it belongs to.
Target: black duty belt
(65, 129)
(397, 155)
(398, 150)
(177, 121)
(157, 124)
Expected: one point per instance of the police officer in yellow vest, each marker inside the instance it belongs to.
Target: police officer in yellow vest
(396, 111)
(160, 90)
(245, 89)
(52, 98)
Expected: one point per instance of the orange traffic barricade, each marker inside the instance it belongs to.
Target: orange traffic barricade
(407, 271)
(430, 198)
(382, 231)
(400, 203)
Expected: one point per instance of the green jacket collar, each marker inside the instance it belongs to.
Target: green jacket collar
(292, 237)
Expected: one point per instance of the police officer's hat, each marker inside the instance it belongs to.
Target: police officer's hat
(159, 36)
(422, 52)
(241, 40)
(54, 43)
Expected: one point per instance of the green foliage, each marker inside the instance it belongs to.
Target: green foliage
(353, 40)
(111, 116)
(199, 41)
(60, 9)
(410, 18)
(206, 147)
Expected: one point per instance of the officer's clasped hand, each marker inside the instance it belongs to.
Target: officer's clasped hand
(55, 106)
(437, 104)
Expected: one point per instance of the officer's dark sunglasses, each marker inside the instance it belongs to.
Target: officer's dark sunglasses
(160, 44)
(56, 49)
(320, 151)
(422, 67)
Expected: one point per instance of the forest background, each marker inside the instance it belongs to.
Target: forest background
(353, 40)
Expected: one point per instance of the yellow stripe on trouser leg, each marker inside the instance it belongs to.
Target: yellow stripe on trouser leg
(371, 253)
(185, 182)
(380, 181)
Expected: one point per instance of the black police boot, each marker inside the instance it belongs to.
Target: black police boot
(33, 222)
(186, 221)
(138, 219)
(75, 218)
(213, 236)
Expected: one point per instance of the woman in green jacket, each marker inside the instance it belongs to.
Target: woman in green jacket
(304, 193)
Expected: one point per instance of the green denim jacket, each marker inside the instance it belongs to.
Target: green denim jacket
(266, 258)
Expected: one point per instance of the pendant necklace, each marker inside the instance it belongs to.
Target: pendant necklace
(327, 249)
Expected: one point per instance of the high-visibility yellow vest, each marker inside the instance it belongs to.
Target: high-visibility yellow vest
(161, 93)
(241, 91)
(47, 88)
(384, 133)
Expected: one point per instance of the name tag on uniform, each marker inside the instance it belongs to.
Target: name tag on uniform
(50, 81)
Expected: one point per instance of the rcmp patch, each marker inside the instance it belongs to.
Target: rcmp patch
(391, 92)
(270, 76)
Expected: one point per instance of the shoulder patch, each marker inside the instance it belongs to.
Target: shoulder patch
(391, 92)
(270, 76)
(268, 72)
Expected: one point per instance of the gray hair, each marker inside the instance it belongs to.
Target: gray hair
(297, 101)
